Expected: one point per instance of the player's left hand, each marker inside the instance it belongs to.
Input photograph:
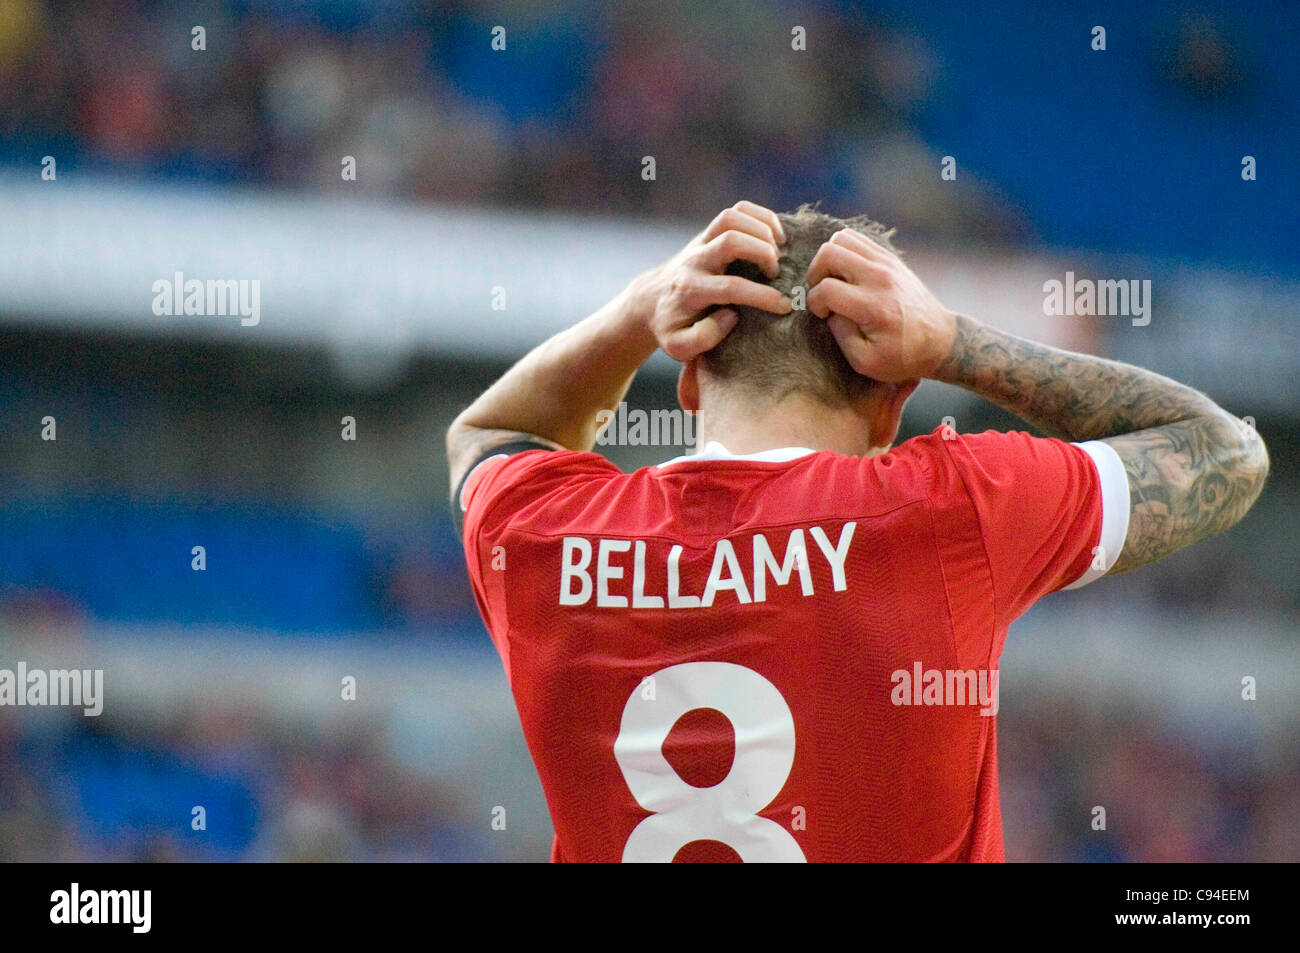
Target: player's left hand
(889, 325)
(690, 295)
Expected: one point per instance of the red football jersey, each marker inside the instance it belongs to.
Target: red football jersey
(782, 656)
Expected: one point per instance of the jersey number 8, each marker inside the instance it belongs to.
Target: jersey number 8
(727, 811)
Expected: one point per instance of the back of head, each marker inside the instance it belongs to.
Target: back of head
(768, 357)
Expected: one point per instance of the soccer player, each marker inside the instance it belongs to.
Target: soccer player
(784, 647)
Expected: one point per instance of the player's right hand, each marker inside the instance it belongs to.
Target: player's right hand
(692, 293)
(887, 322)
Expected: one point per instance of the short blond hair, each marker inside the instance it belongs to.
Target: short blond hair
(770, 356)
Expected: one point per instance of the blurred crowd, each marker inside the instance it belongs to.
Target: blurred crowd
(1169, 794)
(125, 789)
(583, 91)
(415, 92)
(275, 567)
(107, 790)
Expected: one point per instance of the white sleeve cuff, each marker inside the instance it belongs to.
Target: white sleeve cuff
(1114, 509)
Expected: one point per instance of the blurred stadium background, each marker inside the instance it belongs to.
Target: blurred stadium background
(521, 170)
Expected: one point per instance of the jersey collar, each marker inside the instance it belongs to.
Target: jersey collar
(716, 451)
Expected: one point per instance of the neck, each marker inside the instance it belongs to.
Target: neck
(792, 422)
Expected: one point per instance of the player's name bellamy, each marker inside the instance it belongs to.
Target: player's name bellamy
(611, 572)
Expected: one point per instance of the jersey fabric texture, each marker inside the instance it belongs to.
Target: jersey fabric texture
(789, 655)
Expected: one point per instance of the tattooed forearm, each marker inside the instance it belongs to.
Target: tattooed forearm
(1067, 395)
(1187, 481)
(1193, 468)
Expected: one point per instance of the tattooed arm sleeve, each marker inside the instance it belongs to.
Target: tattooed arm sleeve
(1193, 469)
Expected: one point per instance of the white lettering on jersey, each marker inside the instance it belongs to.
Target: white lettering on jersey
(611, 572)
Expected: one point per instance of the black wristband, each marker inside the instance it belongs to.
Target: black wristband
(514, 446)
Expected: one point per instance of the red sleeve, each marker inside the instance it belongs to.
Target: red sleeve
(509, 486)
(1043, 507)
(515, 489)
